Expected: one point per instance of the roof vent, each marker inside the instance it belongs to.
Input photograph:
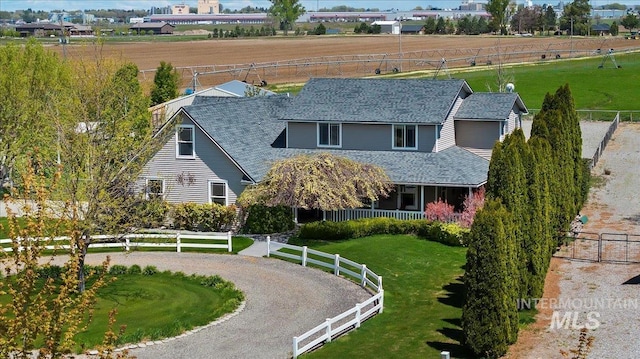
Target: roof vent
(510, 87)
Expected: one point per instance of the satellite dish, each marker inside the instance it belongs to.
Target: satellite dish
(510, 87)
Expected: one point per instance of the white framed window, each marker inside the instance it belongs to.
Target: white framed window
(329, 135)
(405, 137)
(154, 188)
(218, 192)
(185, 141)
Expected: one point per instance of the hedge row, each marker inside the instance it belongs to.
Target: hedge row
(447, 233)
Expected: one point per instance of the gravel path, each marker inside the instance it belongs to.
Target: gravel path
(282, 300)
(611, 292)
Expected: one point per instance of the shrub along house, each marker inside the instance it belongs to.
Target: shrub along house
(432, 137)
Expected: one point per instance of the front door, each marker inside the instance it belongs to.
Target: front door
(408, 198)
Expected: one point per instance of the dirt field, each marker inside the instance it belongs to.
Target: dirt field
(296, 59)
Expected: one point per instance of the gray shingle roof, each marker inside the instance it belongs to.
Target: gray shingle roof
(489, 106)
(376, 100)
(248, 130)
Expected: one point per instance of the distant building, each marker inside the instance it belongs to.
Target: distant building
(158, 28)
(208, 6)
(181, 9)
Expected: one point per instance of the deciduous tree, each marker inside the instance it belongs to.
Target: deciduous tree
(286, 12)
(165, 84)
(499, 11)
(33, 88)
(323, 181)
(42, 309)
(104, 150)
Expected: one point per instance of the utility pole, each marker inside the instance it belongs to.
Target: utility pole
(571, 38)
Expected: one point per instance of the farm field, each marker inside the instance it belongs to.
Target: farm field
(333, 56)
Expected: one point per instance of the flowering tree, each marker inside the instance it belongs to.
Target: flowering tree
(324, 181)
(440, 211)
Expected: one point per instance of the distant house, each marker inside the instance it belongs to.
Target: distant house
(38, 29)
(432, 137)
(388, 27)
(158, 28)
(235, 88)
(601, 29)
(412, 29)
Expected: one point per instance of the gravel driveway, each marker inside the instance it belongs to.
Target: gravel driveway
(283, 300)
(611, 291)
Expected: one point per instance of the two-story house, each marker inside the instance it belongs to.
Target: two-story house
(432, 137)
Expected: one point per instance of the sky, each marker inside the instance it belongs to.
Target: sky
(310, 5)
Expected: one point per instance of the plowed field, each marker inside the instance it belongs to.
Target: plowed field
(295, 59)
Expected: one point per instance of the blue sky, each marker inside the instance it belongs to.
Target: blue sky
(310, 5)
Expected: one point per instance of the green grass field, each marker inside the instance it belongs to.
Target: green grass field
(593, 88)
(423, 298)
(422, 304)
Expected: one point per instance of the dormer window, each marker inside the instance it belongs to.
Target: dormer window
(405, 137)
(329, 135)
(185, 141)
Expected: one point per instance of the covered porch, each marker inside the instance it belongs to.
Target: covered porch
(405, 202)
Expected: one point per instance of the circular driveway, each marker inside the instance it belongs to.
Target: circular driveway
(283, 300)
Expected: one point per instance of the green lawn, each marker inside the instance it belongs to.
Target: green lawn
(592, 88)
(156, 306)
(423, 298)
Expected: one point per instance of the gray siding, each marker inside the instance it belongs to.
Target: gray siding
(513, 121)
(477, 134)
(209, 164)
(366, 137)
(448, 132)
(427, 138)
(301, 135)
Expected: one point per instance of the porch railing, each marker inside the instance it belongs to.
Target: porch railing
(358, 213)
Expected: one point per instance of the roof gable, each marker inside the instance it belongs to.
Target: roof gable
(243, 127)
(376, 100)
(489, 106)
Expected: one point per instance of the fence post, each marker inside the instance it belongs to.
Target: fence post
(599, 247)
(229, 244)
(328, 330)
(304, 256)
(358, 319)
(268, 246)
(626, 252)
(178, 249)
(126, 243)
(295, 347)
(379, 283)
(363, 282)
(336, 264)
(381, 301)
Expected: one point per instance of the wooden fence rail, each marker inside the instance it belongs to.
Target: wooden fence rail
(129, 241)
(346, 321)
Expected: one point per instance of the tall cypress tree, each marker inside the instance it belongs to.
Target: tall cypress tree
(509, 184)
(489, 315)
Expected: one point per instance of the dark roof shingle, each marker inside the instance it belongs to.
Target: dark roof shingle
(421, 101)
(248, 130)
(489, 106)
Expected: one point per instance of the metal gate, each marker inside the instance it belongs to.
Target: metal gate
(602, 247)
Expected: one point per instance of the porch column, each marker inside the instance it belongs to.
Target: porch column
(421, 198)
(295, 214)
(470, 192)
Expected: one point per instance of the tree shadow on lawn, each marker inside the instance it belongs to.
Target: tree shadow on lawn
(454, 296)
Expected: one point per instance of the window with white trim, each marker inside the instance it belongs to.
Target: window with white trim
(329, 135)
(185, 141)
(218, 192)
(405, 137)
(154, 188)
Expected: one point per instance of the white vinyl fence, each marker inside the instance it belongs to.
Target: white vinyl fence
(132, 241)
(344, 322)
